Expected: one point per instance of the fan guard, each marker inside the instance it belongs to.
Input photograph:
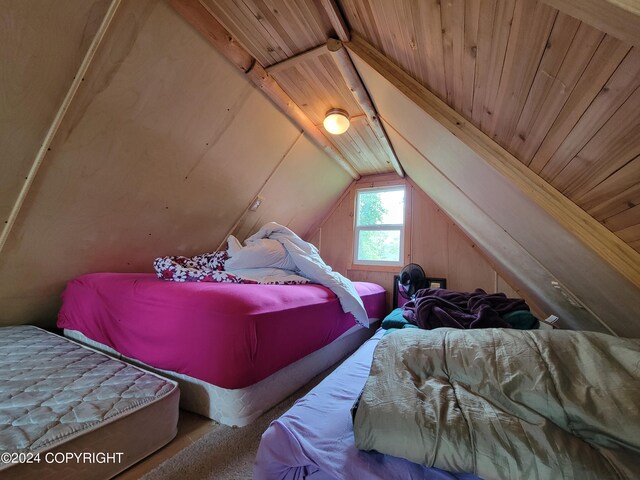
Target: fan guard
(410, 280)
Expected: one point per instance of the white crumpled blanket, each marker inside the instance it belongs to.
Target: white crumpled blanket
(276, 247)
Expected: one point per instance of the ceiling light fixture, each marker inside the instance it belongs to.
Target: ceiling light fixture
(336, 121)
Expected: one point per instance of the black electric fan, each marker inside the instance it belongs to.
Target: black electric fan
(411, 279)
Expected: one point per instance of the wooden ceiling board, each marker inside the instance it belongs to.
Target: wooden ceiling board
(626, 200)
(316, 85)
(426, 20)
(578, 56)
(409, 32)
(601, 204)
(492, 53)
(452, 17)
(375, 160)
(234, 20)
(610, 53)
(622, 220)
(530, 30)
(606, 103)
(272, 30)
(323, 86)
(471, 21)
(556, 48)
(615, 144)
(630, 234)
(362, 147)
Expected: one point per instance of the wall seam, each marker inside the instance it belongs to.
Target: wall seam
(55, 124)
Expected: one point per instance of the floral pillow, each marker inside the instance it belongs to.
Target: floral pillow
(208, 267)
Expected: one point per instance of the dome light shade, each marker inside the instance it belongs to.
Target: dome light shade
(336, 121)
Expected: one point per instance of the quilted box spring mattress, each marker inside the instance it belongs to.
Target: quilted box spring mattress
(58, 399)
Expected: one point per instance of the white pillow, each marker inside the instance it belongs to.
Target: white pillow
(268, 275)
(262, 253)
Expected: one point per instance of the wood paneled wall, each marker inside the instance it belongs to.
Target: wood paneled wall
(435, 243)
(161, 151)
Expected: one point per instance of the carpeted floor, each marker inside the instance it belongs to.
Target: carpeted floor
(225, 453)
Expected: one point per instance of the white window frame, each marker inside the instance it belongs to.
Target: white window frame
(384, 227)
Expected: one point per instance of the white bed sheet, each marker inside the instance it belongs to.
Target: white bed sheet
(314, 439)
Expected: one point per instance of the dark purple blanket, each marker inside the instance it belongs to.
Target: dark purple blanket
(438, 307)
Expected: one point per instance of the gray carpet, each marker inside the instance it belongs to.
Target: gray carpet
(225, 453)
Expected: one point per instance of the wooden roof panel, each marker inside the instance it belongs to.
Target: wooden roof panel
(617, 193)
(530, 128)
(272, 30)
(594, 83)
(363, 148)
(316, 85)
(555, 92)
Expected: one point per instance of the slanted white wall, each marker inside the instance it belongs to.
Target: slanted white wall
(161, 151)
(526, 245)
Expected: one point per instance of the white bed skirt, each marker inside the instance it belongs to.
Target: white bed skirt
(240, 407)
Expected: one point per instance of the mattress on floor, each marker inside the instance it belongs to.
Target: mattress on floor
(314, 438)
(228, 335)
(67, 411)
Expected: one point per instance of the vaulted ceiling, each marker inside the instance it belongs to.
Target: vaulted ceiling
(560, 95)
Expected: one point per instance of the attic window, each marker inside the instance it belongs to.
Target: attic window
(379, 226)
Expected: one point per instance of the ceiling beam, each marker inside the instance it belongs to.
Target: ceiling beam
(357, 88)
(607, 245)
(336, 19)
(205, 23)
(619, 18)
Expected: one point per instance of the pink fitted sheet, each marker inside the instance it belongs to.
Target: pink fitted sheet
(230, 335)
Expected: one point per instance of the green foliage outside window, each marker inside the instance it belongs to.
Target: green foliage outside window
(379, 246)
(371, 210)
(374, 209)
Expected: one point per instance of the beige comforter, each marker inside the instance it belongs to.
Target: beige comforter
(506, 404)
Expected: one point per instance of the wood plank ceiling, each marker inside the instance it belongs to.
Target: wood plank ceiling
(560, 95)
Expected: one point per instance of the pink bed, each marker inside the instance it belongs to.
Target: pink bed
(229, 335)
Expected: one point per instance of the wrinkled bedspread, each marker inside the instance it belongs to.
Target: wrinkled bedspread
(504, 403)
(260, 265)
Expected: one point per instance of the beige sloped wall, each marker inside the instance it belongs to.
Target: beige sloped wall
(38, 60)
(161, 151)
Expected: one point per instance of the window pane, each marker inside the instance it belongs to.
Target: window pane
(381, 207)
(379, 245)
